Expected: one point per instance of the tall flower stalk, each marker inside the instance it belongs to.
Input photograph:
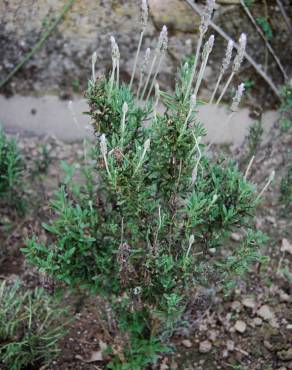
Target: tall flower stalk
(123, 123)
(236, 101)
(116, 63)
(225, 64)
(144, 21)
(206, 17)
(161, 41)
(144, 67)
(205, 56)
(103, 149)
(236, 65)
(160, 58)
(93, 63)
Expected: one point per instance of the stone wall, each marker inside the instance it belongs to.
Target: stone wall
(63, 65)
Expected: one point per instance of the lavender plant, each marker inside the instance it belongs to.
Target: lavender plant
(154, 227)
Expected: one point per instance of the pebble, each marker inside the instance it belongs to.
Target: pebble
(248, 302)
(236, 306)
(205, 346)
(257, 321)
(187, 343)
(284, 297)
(236, 237)
(212, 335)
(230, 345)
(240, 326)
(265, 313)
(286, 246)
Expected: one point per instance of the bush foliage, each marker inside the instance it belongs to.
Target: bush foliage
(155, 225)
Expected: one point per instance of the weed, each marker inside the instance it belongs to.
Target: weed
(30, 327)
(11, 167)
(254, 137)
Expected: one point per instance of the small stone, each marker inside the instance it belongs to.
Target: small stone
(230, 345)
(274, 323)
(265, 313)
(205, 346)
(236, 306)
(257, 321)
(236, 237)
(271, 220)
(248, 302)
(268, 345)
(187, 343)
(240, 326)
(212, 335)
(286, 246)
(284, 297)
(289, 327)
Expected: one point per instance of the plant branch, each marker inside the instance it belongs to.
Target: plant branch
(285, 16)
(268, 45)
(223, 34)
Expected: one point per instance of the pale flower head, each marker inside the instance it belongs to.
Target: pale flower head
(228, 56)
(240, 52)
(206, 16)
(125, 108)
(163, 39)
(237, 98)
(115, 49)
(144, 14)
(103, 145)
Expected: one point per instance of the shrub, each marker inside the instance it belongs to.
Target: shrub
(30, 327)
(11, 167)
(154, 226)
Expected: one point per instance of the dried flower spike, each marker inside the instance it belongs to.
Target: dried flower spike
(225, 64)
(103, 145)
(115, 49)
(146, 147)
(163, 40)
(191, 242)
(240, 53)
(144, 66)
(228, 56)
(161, 46)
(144, 14)
(205, 20)
(93, 62)
(236, 65)
(206, 16)
(125, 108)
(205, 55)
(144, 20)
(237, 98)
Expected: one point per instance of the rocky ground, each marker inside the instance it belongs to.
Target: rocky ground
(249, 329)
